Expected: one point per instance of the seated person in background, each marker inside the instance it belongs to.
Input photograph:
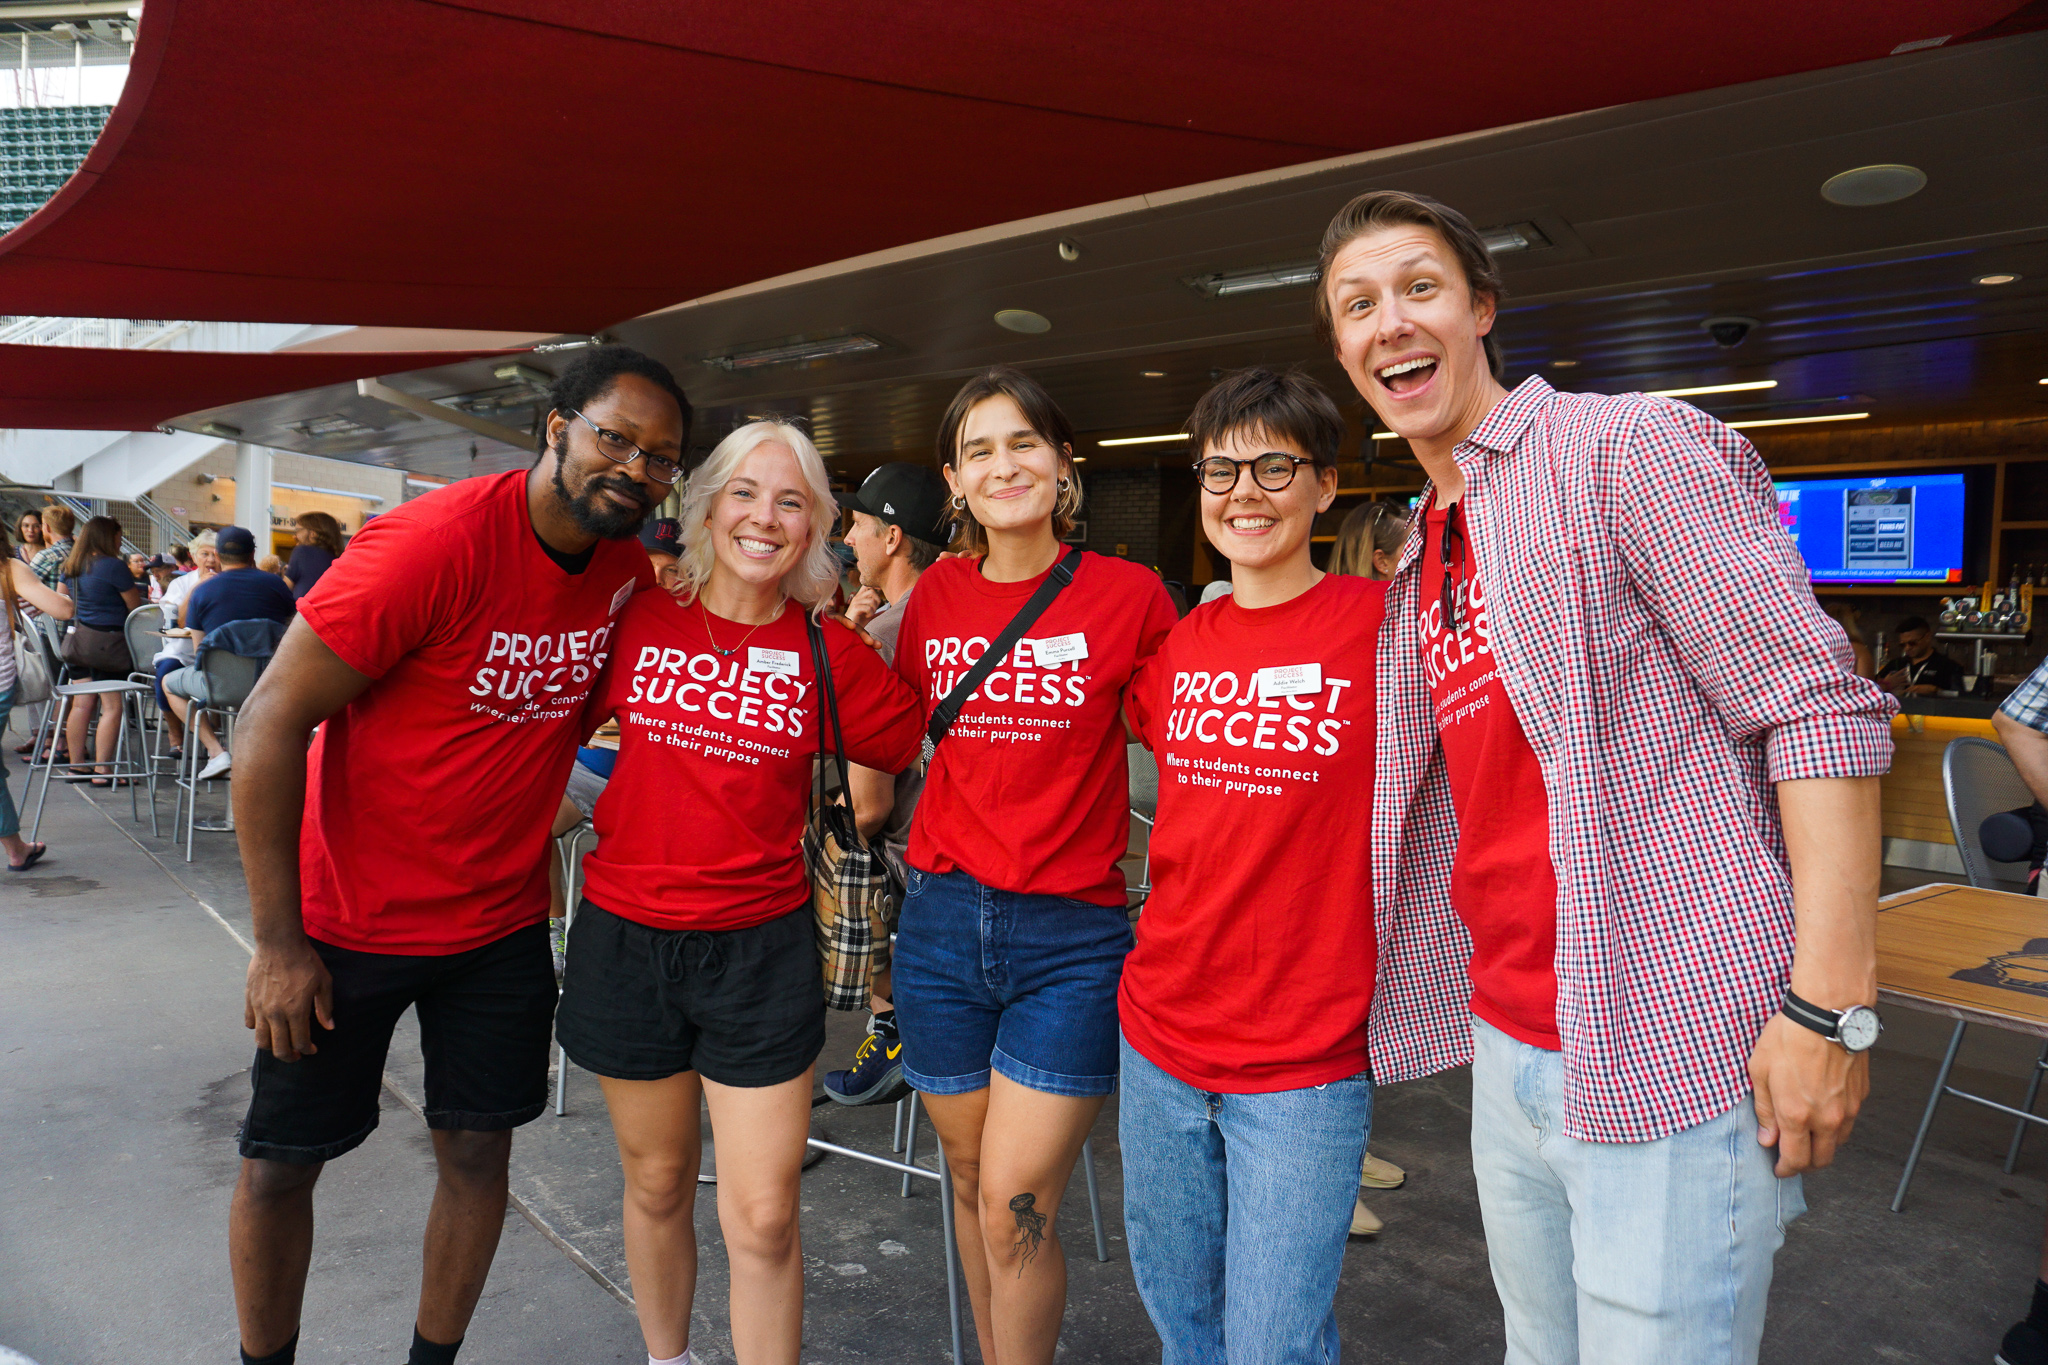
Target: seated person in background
(138, 564)
(179, 651)
(271, 564)
(239, 592)
(588, 776)
(1920, 670)
(319, 545)
(664, 548)
(161, 569)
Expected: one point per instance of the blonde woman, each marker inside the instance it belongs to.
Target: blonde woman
(1369, 542)
(692, 972)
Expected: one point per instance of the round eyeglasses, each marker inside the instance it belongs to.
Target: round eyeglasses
(1272, 471)
(619, 450)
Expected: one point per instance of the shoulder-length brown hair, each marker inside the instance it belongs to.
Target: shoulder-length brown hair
(99, 536)
(1045, 418)
(324, 529)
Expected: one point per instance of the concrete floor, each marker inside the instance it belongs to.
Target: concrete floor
(124, 1067)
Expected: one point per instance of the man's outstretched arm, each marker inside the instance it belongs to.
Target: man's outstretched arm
(288, 984)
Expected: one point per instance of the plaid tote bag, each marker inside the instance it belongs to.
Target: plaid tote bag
(849, 882)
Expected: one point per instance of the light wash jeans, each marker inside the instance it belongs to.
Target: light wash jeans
(10, 821)
(1237, 1207)
(1620, 1252)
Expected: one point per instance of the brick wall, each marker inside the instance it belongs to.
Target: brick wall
(1121, 507)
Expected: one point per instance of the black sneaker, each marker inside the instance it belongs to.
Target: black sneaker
(2024, 1344)
(877, 1073)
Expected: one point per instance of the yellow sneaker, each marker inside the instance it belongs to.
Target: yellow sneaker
(1381, 1175)
(1364, 1222)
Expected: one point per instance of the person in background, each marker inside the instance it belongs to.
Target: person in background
(1919, 669)
(664, 550)
(1846, 617)
(182, 556)
(239, 592)
(18, 586)
(1660, 1043)
(28, 534)
(180, 650)
(97, 579)
(1246, 1097)
(2021, 723)
(897, 527)
(444, 662)
(1369, 540)
(138, 565)
(1214, 589)
(1013, 923)
(271, 565)
(319, 545)
(58, 523)
(161, 570)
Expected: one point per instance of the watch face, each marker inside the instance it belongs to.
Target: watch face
(1859, 1028)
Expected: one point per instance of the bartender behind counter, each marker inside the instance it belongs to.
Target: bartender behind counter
(1919, 669)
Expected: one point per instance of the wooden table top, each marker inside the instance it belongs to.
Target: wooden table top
(1975, 955)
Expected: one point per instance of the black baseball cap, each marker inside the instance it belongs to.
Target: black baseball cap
(236, 542)
(912, 496)
(664, 535)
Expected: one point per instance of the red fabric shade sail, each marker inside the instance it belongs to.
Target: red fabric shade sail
(559, 165)
(96, 389)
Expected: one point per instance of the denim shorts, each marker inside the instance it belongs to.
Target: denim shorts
(1019, 983)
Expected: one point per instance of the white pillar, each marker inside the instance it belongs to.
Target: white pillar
(252, 492)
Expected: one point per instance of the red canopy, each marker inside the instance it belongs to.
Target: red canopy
(559, 165)
(97, 389)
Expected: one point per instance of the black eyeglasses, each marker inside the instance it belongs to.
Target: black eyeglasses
(1449, 559)
(1271, 471)
(619, 450)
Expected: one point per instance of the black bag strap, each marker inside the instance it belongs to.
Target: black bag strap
(998, 649)
(828, 705)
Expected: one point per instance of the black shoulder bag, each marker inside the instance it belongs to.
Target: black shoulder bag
(947, 711)
(849, 883)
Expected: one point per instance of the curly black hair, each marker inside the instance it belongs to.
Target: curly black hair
(591, 375)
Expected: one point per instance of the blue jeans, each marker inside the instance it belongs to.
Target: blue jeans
(1237, 1208)
(10, 821)
(1023, 984)
(1620, 1250)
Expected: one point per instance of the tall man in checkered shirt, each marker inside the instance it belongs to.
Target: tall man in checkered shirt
(1625, 827)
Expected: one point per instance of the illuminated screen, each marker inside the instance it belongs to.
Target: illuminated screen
(1903, 529)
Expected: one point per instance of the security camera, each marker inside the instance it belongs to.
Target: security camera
(1729, 332)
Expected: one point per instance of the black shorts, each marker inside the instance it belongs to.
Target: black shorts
(484, 1025)
(743, 1007)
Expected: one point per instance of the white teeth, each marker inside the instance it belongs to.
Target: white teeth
(757, 547)
(1407, 365)
(1252, 523)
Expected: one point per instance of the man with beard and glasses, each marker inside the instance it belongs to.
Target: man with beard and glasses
(401, 859)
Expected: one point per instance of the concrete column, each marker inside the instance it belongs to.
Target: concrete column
(252, 492)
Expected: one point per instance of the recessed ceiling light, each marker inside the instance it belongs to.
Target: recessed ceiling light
(1023, 320)
(1563, 364)
(1143, 440)
(1505, 241)
(1994, 279)
(1798, 421)
(1715, 388)
(1867, 186)
(1153, 374)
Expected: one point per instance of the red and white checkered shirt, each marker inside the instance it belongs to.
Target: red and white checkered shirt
(1657, 635)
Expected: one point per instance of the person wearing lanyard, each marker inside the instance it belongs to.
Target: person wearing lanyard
(1920, 670)
(1013, 928)
(692, 972)
(1625, 819)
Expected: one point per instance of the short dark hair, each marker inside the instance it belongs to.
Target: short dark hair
(1286, 406)
(922, 554)
(590, 376)
(1045, 418)
(1378, 209)
(1911, 623)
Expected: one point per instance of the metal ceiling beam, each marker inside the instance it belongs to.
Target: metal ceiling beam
(441, 412)
(78, 9)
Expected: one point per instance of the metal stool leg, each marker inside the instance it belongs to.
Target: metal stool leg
(1948, 1061)
(896, 1138)
(562, 1053)
(2019, 1127)
(953, 1266)
(49, 768)
(1094, 1199)
(910, 1144)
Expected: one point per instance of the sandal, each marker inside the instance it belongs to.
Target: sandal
(35, 852)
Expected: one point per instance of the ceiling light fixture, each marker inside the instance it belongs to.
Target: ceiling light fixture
(1563, 364)
(1798, 421)
(1744, 387)
(1143, 440)
(221, 430)
(1153, 374)
(1514, 237)
(1868, 186)
(1994, 279)
(790, 352)
(1023, 320)
(1386, 435)
(1223, 284)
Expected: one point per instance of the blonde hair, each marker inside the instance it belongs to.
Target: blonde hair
(1369, 526)
(816, 576)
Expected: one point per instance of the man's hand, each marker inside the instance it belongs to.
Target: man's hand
(1808, 1092)
(288, 989)
(863, 607)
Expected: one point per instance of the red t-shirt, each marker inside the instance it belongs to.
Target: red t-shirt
(429, 797)
(1255, 957)
(1029, 790)
(701, 824)
(1502, 883)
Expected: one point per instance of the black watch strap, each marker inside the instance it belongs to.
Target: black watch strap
(1827, 1023)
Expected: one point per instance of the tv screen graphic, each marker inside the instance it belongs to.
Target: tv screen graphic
(1902, 529)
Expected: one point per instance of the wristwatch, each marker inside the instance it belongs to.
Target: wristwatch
(1855, 1028)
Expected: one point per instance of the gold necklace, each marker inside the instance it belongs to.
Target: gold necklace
(728, 653)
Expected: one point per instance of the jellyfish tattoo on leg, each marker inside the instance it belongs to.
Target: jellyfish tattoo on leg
(1030, 1229)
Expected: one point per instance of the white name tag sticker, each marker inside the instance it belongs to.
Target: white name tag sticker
(1292, 680)
(761, 660)
(1060, 649)
(621, 597)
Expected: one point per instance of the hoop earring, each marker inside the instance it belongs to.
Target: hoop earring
(1064, 485)
(959, 503)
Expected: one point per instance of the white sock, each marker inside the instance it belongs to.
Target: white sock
(684, 1359)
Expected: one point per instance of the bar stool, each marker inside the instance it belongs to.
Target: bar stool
(51, 729)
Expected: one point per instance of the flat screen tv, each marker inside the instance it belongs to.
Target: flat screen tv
(1900, 529)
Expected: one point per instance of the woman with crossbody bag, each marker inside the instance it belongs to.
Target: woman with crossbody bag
(19, 655)
(692, 968)
(96, 644)
(1013, 928)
